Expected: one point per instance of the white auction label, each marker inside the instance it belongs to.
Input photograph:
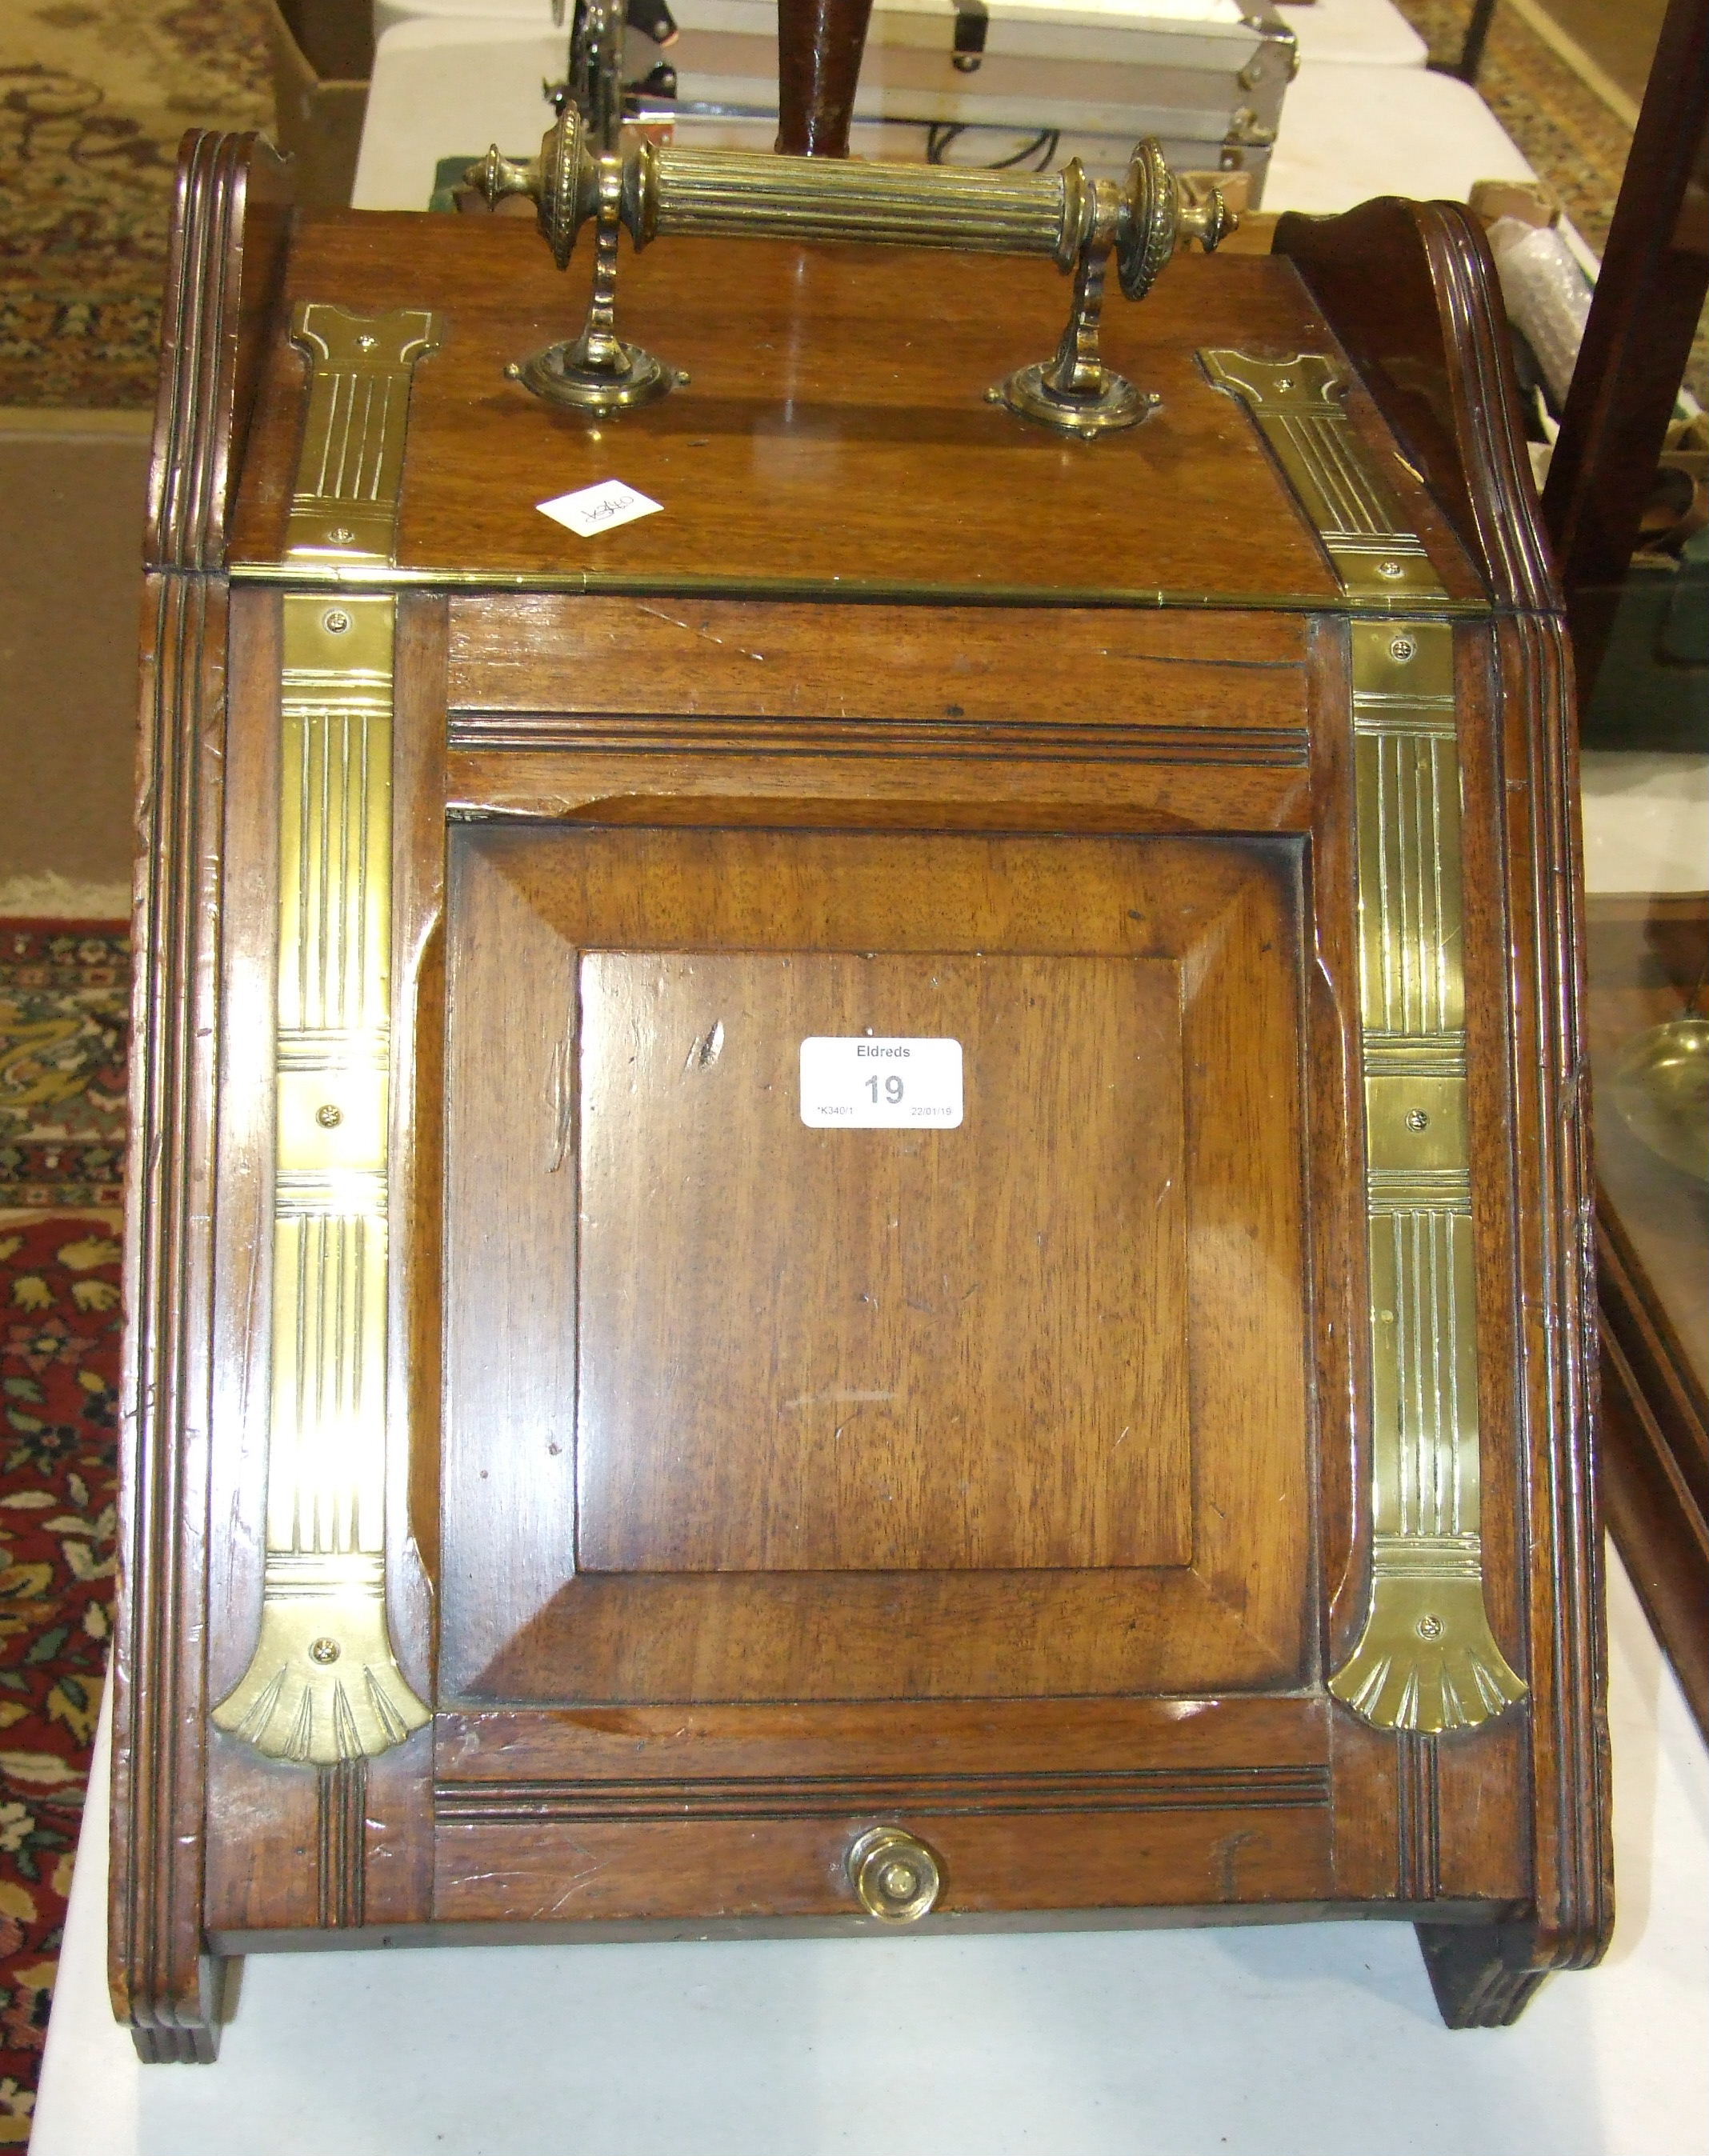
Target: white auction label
(595, 509)
(867, 1082)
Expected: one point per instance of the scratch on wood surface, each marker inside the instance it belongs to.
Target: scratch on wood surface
(561, 1094)
(704, 1052)
(697, 629)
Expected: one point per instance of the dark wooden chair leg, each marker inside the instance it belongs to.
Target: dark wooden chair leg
(819, 47)
(1471, 50)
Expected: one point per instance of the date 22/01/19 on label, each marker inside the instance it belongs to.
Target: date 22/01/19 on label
(864, 1082)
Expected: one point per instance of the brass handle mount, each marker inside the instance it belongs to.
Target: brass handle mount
(1076, 222)
(894, 1876)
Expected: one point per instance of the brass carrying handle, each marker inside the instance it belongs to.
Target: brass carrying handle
(1072, 219)
(744, 194)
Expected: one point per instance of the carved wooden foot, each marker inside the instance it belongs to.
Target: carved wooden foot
(1483, 1975)
(192, 2046)
(184, 2031)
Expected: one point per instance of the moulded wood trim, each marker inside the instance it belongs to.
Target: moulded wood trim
(1409, 290)
(226, 259)
(1260, 1786)
(162, 1983)
(876, 791)
(1554, 1296)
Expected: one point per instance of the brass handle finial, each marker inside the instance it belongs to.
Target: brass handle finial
(1074, 221)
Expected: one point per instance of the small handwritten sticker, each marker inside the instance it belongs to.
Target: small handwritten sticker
(592, 510)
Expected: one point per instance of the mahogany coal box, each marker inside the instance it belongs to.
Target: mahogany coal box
(607, 1456)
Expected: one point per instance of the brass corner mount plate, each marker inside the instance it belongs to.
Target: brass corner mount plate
(1298, 406)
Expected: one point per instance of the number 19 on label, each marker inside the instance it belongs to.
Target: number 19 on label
(869, 1082)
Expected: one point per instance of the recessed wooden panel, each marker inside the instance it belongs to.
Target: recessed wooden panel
(521, 1622)
(862, 1349)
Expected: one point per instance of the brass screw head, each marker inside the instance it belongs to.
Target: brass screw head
(1417, 1120)
(1388, 569)
(1430, 1627)
(335, 621)
(323, 1651)
(1402, 649)
(328, 1116)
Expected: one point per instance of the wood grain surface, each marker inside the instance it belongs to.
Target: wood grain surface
(834, 438)
(874, 1350)
(1211, 1852)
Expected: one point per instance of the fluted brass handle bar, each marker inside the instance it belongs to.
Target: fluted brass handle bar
(1073, 220)
(736, 194)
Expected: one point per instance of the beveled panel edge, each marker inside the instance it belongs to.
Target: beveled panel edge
(1179, 1732)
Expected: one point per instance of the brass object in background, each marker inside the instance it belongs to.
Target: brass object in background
(1426, 1660)
(1660, 1085)
(1076, 222)
(894, 1876)
(323, 1684)
(1298, 407)
(350, 470)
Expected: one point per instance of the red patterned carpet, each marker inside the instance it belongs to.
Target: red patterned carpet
(64, 1007)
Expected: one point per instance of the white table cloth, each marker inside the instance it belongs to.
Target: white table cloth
(1300, 2041)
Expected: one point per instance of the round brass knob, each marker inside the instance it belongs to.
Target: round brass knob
(895, 1877)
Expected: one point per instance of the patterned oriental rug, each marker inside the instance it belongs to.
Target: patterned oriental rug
(94, 93)
(94, 97)
(1566, 133)
(64, 997)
